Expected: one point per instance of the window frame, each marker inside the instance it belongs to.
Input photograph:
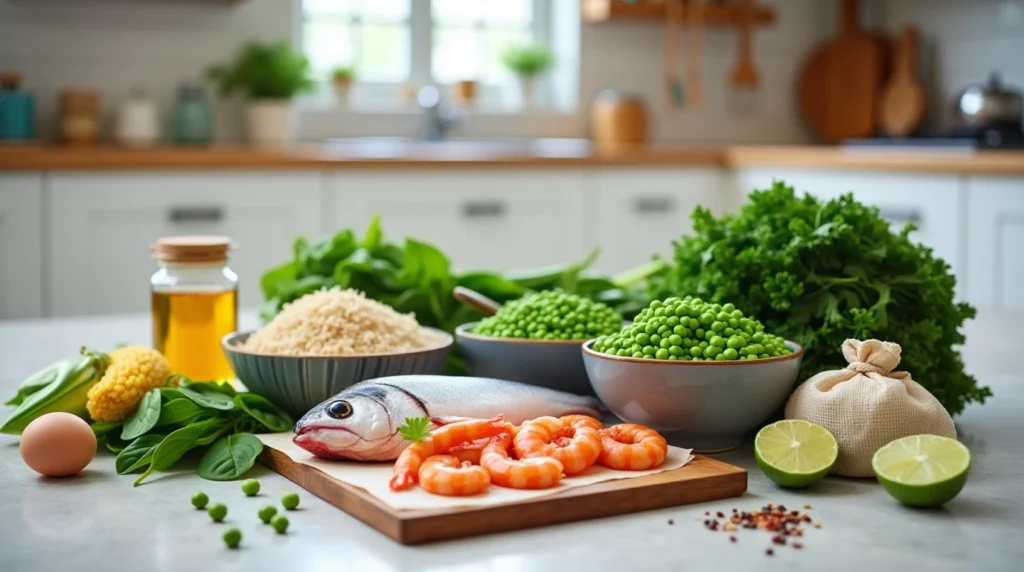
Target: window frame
(383, 96)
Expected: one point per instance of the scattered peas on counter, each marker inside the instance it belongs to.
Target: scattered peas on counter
(199, 500)
(689, 329)
(267, 513)
(551, 315)
(280, 524)
(251, 487)
(217, 512)
(290, 501)
(233, 537)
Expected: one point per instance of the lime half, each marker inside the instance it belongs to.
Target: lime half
(795, 453)
(922, 470)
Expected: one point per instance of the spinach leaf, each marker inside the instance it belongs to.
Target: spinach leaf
(219, 386)
(102, 428)
(374, 235)
(277, 279)
(114, 443)
(207, 397)
(221, 426)
(230, 457)
(266, 413)
(137, 454)
(144, 417)
(173, 447)
(181, 410)
(171, 393)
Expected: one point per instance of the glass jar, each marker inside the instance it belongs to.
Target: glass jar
(191, 117)
(194, 303)
(79, 118)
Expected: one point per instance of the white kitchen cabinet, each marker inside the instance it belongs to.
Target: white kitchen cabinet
(636, 213)
(995, 242)
(102, 224)
(21, 245)
(934, 203)
(486, 219)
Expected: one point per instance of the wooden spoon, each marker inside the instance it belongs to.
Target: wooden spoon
(902, 104)
(745, 75)
(476, 300)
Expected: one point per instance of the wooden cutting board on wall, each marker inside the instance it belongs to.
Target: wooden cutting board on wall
(903, 101)
(840, 84)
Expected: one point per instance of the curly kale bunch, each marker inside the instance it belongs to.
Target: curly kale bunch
(820, 272)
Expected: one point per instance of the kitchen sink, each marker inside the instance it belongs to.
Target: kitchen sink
(457, 149)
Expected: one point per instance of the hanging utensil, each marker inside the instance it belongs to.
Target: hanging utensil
(673, 88)
(693, 79)
(745, 75)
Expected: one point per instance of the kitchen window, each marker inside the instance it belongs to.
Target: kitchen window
(395, 45)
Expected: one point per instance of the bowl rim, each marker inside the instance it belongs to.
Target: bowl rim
(229, 341)
(463, 332)
(795, 355)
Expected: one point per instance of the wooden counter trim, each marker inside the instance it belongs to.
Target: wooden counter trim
(313, 157)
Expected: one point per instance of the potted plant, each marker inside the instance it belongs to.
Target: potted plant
(527, 62)
(269, 75)
(343, 76)
(464, 92)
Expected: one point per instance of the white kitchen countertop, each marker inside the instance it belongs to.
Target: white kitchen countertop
(97, 521)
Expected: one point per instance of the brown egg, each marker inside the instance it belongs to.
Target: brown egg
(58, 444)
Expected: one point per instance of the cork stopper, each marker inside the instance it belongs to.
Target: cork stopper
(10, 80)
(197, 249)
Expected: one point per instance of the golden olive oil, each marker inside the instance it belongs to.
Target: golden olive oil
(188, 327)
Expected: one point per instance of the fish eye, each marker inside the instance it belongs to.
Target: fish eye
(339, 409)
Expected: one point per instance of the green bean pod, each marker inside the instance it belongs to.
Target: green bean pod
(67, 390)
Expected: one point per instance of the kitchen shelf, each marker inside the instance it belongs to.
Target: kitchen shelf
(598, 11)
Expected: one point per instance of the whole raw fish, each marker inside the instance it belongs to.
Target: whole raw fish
(361, 423)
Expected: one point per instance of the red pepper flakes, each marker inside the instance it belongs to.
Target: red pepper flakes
(732, 539)
(776, 519)
(769, 551)
(797, 545)
(719, 514)
(671, 522)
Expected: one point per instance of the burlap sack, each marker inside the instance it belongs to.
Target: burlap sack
(867, 405)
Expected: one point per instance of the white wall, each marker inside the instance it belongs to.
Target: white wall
(962, 42)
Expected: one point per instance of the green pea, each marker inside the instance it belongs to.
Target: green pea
(707, 318)
(675, 339)
(656, 304)
(280, 524)
(655, 339)
(621, 353)
(700, 333)
(650, 330)
(232, 537)
(676, 351)
(662, 354)
(199, 500)
(728, 332)
(696, 351)
(665, 343)
(680, 330)
(718, 326)
(712, 351)
(659, 312)
(638, 355)
(760, 348)
(730, 354)
(217, 512)
(735, 343)
(673, 358)
(662, 330)
(764, 356)
(672, 321)
(267, 513)
(758, 338)
(251, 487)
(729, 307)
(290, 501)
(720, 357)
(722, 316)
(717, 341)
(649, 350)
(703, 345)
(642, 338)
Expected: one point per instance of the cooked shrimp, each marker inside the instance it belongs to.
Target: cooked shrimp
(582, 420)
(575, 447)
(631, 447)
(469, 451)
(440, 441)
(447, 475)
(535, 473)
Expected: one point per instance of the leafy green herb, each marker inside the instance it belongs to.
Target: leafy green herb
(274, 70)
(144, 417)
(207, 397)
(415, 429)
(819, 272)
(181, 410)
(137, 454)
(230, 457)
(173, 447)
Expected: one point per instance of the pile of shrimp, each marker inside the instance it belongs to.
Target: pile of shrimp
(466, 457)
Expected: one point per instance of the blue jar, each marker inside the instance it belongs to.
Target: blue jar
(190, 121)
(17, 110)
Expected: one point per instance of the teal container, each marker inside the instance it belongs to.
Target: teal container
(190, 120)
(17, 110)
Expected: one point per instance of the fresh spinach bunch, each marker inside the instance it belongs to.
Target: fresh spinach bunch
(819, 272)
(417, 277)
(186, 416)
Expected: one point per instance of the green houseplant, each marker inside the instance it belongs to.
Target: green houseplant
(342, 77)
(269, 75)
(527, 62)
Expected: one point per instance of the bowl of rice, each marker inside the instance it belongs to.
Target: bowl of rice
(327, 341)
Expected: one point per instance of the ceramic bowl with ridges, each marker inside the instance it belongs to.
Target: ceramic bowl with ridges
(707, 405)
(297, 383)
(555, 364)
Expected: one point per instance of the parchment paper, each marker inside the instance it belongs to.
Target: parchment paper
(374, 477)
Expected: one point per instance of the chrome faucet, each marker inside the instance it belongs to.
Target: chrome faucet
(436, 121)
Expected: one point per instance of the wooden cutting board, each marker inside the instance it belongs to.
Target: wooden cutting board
(702, 479)
(839, 87)
(903, 98)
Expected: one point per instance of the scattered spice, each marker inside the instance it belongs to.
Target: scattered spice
(671, 522)
(807, 505)
(797, 545)
(719, 514)
(769, 551)
(732, 538)
(776, 519)
(817, 524)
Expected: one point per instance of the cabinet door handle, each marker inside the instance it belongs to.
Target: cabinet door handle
(900, 215)
(653, 205)
(484, 209)
(179, 215)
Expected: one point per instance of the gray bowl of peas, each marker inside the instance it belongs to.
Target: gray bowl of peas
(704, 374)
(536, 340)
